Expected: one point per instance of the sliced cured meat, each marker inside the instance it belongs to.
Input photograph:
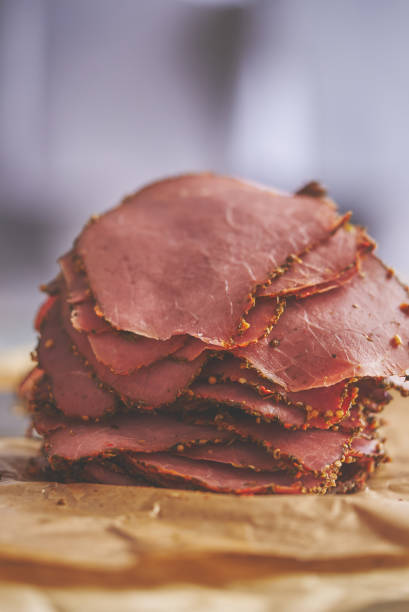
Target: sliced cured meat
(75, 392)
(315, 189)
(123, 433)
(351, 331)
(233, 369)
(316, 450)
(99, 473)
(234, 394)
(365, 454)
(43, 312)
(259, 320)
(238, 454)
(219, 239)
(45, 422)
(121, 352)
(193, 348)
(154, 385)
(325, 267)
(85, 319)
(77, 285)
(354, 421)
(52, 287)
(353, 476)
(362, 445)
(29, 384)
(374, 393)
(166, 468)
(125, 354)
(325, 406)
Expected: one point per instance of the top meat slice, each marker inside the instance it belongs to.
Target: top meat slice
(360, 329)
(184, 256)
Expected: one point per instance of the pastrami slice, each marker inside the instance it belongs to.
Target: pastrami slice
(314, 449)
(323, 406)
(233, 369)
(43, 311)
(193, 348)
(362, 445)
(350, 332)
(93, 471)
(160, 383)
(219, 237)
(75, 391)
(208, 475)
(327, 266)
(29, 384)
(72, 440)
(259, 320)
(238, 454)
(85, 319)
(75, 280)
(124, 355)
(234, 394)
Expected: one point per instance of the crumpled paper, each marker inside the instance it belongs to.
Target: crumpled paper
(98, 547)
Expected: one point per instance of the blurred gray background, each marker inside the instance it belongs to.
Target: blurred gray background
(99, 96)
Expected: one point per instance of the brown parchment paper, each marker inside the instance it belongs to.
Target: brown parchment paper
(95, 547)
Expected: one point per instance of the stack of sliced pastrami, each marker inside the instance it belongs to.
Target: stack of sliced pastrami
(213, 334)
